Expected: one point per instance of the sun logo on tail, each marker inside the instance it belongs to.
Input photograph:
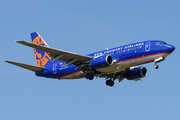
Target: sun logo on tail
(42, 57)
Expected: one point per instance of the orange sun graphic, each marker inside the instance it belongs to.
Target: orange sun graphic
(41, 57)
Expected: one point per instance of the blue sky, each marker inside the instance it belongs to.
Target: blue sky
(86, 26)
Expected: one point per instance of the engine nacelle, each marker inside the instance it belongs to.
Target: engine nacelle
(136, 73)
(101, 62)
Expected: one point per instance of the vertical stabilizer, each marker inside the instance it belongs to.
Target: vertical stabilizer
(42, 58)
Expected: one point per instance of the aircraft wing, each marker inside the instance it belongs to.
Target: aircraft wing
(68, 57)
(26, 66)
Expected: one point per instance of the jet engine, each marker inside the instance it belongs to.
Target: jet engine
(136, 73)
(101, 62)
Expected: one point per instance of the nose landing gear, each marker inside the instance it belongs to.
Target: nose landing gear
(158, 60)
(156, 66)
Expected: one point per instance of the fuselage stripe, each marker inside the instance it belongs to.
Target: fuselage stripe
(143, 57)
(70, 74)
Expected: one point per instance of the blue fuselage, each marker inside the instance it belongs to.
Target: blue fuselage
(124, 57)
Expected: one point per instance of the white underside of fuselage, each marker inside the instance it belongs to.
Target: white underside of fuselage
(119, 66)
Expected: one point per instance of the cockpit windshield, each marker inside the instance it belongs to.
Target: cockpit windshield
(160, 43)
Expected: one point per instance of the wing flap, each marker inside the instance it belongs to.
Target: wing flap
(26, 66)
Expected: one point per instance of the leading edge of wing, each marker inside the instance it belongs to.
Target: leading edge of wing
(26, 66)
(56, 51)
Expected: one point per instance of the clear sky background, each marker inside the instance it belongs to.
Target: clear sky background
(86, 26)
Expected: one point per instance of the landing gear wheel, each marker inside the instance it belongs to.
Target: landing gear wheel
(109, 83)
(89, 76)
(156, 66)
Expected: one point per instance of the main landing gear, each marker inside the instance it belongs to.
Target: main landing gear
(109, 83)
(89, 76)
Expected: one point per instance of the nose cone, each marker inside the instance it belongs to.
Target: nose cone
(170, 48)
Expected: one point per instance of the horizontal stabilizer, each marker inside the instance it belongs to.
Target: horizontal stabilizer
(26, 66)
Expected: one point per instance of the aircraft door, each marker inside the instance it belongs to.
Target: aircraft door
(54, 68)
(147, 46)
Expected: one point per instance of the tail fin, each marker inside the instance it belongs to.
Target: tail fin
(42, 58)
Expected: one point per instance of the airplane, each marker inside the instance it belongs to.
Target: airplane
(116, 63)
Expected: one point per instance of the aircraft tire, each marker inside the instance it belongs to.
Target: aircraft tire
(156, 66)
(109, 83)
(89, 76)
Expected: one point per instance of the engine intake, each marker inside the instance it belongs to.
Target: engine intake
(136, 73)
(101, 62)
